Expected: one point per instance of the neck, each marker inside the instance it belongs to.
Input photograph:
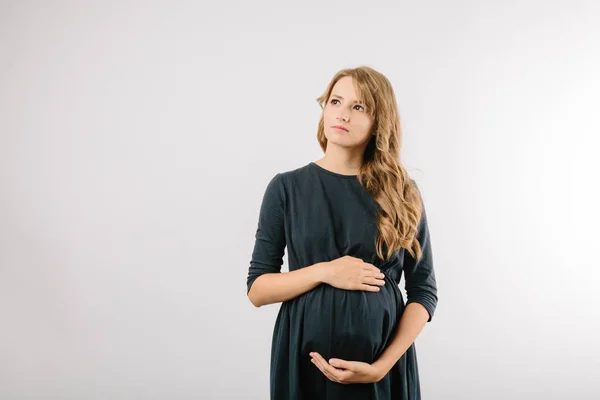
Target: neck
(341, 162)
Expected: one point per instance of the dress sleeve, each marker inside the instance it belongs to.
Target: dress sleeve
(269, 244)
(419, 276)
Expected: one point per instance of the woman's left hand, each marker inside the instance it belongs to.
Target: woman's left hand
(345, 372)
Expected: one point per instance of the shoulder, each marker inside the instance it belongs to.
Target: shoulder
(295, 172)
(282, 182)
(412, 185)
(294, 176)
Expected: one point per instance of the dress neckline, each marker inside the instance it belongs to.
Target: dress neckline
(319, 168)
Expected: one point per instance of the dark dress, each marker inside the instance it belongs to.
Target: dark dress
(321, 215)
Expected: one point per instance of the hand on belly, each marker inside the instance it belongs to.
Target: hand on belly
(351, 325)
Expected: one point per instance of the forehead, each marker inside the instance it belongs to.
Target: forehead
(344, 89)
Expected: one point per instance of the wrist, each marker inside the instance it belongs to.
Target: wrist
(321, 272)
(381, 369)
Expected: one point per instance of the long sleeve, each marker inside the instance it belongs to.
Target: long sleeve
(420, 282)
(269, 245)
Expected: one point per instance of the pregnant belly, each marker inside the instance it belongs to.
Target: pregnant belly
(349, 324)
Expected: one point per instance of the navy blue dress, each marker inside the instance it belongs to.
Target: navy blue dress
(320, 216)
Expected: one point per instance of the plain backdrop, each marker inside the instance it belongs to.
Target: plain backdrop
(137, 139)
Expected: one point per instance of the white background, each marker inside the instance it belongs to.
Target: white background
(137, 138)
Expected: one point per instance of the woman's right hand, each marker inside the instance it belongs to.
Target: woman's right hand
(352, 273)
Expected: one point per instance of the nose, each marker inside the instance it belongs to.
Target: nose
(343, 116)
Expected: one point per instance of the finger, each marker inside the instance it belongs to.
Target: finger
(374, 272)
(317, 364)
(320, 366)
(369, 288)
(374, 281)
(371, 268)
(330, 369)
(346, 376)
(319, 358)
(341, 364)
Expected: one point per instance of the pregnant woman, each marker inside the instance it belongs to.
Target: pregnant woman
(352, 222)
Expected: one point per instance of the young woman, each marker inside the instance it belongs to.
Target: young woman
(353, 222)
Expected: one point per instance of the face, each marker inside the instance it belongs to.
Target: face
(344, 109)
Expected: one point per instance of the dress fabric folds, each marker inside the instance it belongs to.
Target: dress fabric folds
(319, 215)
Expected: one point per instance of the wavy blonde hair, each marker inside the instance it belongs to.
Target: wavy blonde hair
(382, 174)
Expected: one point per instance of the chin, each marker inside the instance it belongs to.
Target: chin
(335, 140)
(337, 136)
(342, 143)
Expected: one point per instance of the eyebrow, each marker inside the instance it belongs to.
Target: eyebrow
(338, 96)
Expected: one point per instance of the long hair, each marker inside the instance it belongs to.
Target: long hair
(382, 174)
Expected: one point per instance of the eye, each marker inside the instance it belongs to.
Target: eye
(358, 105)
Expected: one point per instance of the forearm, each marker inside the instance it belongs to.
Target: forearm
(278, 287)
(411, 323)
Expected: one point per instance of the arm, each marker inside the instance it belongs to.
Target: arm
(266, 283)
(411, 323)
(277, 287)
(421, 290)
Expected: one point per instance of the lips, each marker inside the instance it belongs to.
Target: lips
(340, 127)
